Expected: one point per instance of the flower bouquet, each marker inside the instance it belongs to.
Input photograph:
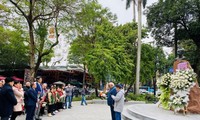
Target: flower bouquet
(179, 101)
(163, 85)
(164, 81)
(181, 83)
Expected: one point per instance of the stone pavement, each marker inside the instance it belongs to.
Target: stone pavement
(78, 112)
(152, 112)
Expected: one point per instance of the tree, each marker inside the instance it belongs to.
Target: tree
(91, 14)
(163, 16)
(35, 11)
(139, 42)
(140, 2)
(13, 54)
(109, 57)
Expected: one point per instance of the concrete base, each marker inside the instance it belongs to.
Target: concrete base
(152, 112)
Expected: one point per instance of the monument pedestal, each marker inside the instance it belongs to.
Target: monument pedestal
(153, 112)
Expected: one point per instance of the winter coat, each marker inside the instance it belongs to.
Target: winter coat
(110, 101)
(7, 101)
(19, 94)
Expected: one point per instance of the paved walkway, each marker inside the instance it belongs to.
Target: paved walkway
(78, 112)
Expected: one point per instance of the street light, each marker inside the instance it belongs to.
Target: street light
(156, 69)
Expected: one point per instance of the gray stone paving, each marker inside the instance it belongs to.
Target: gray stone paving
(78, 112)
(152, 111)
(102, 112)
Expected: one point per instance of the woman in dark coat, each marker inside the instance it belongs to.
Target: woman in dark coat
(7, 99)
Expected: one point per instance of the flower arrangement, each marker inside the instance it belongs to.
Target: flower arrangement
(179, 101)
(164, 81)
(182, 82)
(163, 85)
(176, 88)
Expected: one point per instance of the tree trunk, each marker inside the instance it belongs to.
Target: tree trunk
(32, 53)
(126, 93)
(39, 60)
(84, 74)
(139, 45)
(96, 91)
(175, 40)
(134, 15)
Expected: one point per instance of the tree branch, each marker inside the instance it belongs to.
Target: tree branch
(43, 15)
(57, 36)
(16, 5)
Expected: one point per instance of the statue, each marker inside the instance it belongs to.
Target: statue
(194, 95)
(180, 62)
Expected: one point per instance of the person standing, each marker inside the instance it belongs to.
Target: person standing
(68, 91)
(83, 93)
(50, 102)
(60, 97)
(27, 86)
(31, 102)
(39, 88)
(19, 96)
(7, 99)
(42, 101)
(40, 92)
(119, 102)
(110, 101)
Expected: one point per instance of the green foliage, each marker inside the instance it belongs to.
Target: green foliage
(170, 61)
(109, 50)
(77, 98)
(136, 97)
(91, 97)
(148, 98)
(164, 98)
(47, 58)
(13, 51)
(148, 55)
(164, 16)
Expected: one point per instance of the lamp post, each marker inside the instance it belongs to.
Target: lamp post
(156, 69)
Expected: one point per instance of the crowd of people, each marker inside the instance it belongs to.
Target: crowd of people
(34, 98)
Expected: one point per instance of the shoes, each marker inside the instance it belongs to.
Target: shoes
(49, 115)
(53, 113)
(56, 111)
(38, 119)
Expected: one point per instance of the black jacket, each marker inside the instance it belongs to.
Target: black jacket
(7, 101)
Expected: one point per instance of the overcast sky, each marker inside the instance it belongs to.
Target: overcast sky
(118, 7)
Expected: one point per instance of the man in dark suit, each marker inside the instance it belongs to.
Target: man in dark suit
(7, 99)
(110, 101)
(39, 88)
(31, 102)
(40, 92)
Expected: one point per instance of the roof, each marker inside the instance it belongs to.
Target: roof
(69, 67)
